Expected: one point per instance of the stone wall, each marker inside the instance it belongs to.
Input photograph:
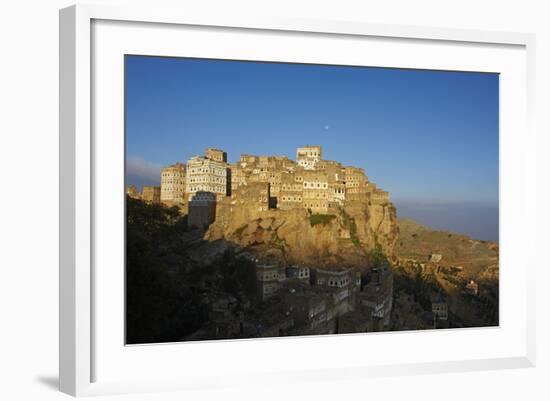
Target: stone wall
(254, 195)
(151, 194)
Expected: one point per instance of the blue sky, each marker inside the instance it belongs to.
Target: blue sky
(428, 137)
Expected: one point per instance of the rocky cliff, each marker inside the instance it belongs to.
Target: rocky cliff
(344, 237)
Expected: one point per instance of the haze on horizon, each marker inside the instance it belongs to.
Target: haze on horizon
(430, 138)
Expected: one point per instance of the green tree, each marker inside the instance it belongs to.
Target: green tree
(377, 257)
(160, 304)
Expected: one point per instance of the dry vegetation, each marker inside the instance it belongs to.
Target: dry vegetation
(418, 242)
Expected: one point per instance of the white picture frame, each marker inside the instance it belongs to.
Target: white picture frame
(79, 344)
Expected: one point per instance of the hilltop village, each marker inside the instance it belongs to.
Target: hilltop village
(269, 199)
(278, 247)
(260, 182)
(258, 204)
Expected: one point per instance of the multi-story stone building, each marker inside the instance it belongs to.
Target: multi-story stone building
(356, 183)
(335, 278)
(311, 182)
(216, 154)
(274, 178)
(245, 160)
(206, 175)
(337, 193)
(254, 195)
(172, 184)
(206, 183)
(151, 194)
(322, 186)
(298, 272)
(291, 192)
(379, 197)
(335, 174)
(262, 169)
(270, 276)
(316, 194)
(308, 156)
(239, 175)
(309, 309)
(343, 285)
(377, 294)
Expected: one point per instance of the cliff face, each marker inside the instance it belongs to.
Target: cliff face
(342, 238)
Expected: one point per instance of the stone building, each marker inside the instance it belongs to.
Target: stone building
(337, 193)
(216, 154)
(322, 186)
(319, 189)
(274, 179)
(269, 276)
(331, 166)
(377, 294)
(308, 156)
(172, 184)
(132, 192)
(356, 183)
(206, 183)
(342, 285)
(311, 182)
(338, 278)
(335, 175)
(254, 195)
(291, 192)
(239, 175)
(298, 272)
(379, 197)
(262, 169)
(316, 191)
(202, 209)
(245, 160)
(151, 194)
(439, 306)
(206, 175)
(308, 306)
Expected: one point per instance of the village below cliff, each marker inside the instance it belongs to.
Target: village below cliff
(270, 246)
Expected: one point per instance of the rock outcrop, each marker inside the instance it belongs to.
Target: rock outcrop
(344, 237)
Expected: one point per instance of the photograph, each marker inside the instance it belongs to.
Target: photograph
(271, 199)
(275, 201)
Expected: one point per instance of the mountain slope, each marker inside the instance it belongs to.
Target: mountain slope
(478, 258)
